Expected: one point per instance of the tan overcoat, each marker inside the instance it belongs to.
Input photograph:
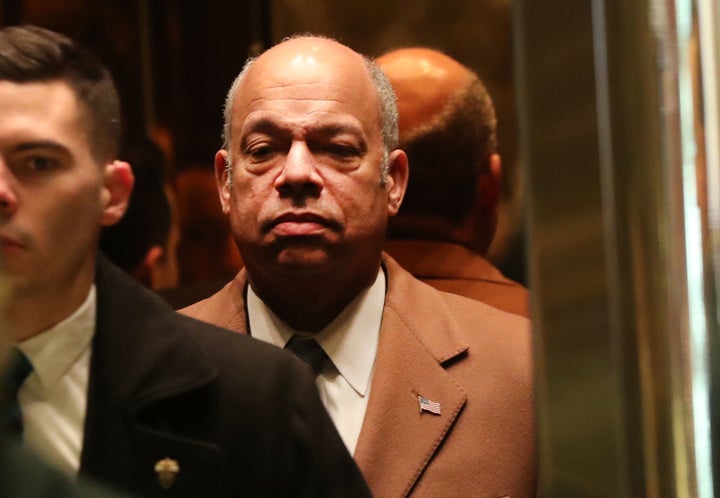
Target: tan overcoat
(472, 359)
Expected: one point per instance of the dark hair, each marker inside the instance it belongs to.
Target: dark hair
(33, 54)
(448, 155)
(147, 220)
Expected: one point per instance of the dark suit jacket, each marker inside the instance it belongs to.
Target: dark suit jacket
(458, 270)
(473, 359)
(239, 417)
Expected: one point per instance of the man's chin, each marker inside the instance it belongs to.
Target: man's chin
(303, 262)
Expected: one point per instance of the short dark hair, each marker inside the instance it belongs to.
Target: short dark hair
(147, 221)
(448, 155)
(33, 54)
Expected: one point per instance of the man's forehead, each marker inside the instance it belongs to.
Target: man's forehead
(315, 63)
(307, 88)
(47, 102)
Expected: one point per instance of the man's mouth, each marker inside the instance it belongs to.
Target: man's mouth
(300, 224)
(10, 244)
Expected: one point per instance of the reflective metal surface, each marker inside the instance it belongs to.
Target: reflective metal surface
(615, 109)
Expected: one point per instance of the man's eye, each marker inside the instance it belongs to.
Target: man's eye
(341, 151)
(40, 164)
(260, 152)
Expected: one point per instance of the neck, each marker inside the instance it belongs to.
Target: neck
(309, 305)
(29, 316)
(469, 233)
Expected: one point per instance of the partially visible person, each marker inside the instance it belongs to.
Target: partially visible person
(430, 391)
(206, 254)
(23, 474)
(122, 389)
(206, 250)
(144, 242)
(449, 215)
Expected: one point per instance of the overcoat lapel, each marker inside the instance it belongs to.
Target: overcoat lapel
(142, 363)
(398, 439)
(419, 339)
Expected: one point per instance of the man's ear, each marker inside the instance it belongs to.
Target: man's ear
(398, 172)
(490, 184)
(487, 200)
(221, 178)
(143, 272)
(118, 181)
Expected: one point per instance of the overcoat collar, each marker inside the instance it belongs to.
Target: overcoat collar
(434, 259)
(419, 339)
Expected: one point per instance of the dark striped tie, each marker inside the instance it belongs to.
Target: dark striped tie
(308, 351)
(19, 369)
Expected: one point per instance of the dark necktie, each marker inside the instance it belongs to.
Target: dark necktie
(19, 369)
(308, 351)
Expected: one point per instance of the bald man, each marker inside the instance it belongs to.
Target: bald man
(448, 218)
(431, 392)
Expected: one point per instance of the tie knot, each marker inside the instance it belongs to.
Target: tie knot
(309, 351)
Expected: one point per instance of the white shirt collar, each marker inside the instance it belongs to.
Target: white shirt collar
(55, 350)
(350, 340)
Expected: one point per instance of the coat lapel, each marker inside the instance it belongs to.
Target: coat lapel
(147, 378)
(225, 308)
(418, 341)
(398, 439)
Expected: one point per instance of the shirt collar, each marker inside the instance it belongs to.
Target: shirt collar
(350, 340)
(55, 350)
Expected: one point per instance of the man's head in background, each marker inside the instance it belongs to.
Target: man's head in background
(206, 250)
(144, 241)
(448, 130)
(59, 180)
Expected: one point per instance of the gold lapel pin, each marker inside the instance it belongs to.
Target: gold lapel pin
(167, 470)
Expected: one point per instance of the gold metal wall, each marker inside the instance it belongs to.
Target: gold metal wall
(624, 309)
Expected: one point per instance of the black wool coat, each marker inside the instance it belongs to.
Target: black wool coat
(227, 414)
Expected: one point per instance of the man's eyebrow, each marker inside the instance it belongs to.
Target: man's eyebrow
(40, 144)
(263, 125)
(337, 129)
(260, 125)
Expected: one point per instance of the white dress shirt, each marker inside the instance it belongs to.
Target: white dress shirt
(350, 341)
(53, 398)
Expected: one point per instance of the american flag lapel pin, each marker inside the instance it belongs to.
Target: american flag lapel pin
(428, 406)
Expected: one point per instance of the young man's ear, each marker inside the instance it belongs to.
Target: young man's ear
(221, 178)
(397, 179)
(118, 181)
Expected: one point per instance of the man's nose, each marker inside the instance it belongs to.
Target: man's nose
(299, 175)
(8, 196)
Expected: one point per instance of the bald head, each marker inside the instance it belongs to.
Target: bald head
(425, 81)
(309, 56)
(447, 129)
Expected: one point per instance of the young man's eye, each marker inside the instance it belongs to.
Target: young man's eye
(40, 164)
